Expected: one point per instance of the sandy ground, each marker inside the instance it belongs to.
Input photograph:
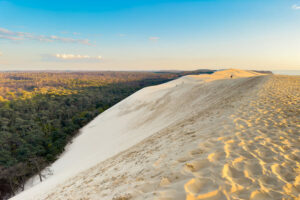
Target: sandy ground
(238, 139)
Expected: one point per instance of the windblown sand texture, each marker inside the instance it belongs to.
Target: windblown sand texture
(233, 138)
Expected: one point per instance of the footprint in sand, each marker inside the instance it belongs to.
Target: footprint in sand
(196, 152)
(282, 173)
(235, 177)
(203, 188)
(252, 170)
(148, 187)
(216, 156)
(196, 165)
(270, 182)
(260, 195)
(183, 159)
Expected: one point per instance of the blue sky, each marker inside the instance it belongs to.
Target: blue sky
(149, 34)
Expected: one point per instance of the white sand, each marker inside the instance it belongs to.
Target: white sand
(198, 137)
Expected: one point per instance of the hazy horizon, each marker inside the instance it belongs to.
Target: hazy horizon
(280, 72)
(149, 35)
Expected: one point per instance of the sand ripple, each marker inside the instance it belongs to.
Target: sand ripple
(246, 145)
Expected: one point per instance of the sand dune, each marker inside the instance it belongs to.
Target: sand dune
(219, 138)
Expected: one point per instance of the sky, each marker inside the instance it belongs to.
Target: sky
(149, 34)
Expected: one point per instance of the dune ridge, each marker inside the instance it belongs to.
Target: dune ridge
(235, 138)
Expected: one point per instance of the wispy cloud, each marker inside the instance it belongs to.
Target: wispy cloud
(20, 36)
(77, 57)
(296, 7)
(5, 37)
(121, 35)
(154, 39)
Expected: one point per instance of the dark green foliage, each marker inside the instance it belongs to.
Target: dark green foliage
(41, 111)
(35, 130)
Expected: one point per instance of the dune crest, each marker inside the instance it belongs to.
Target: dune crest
(224, 138)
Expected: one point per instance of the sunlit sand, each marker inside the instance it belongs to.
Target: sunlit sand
(230, 135)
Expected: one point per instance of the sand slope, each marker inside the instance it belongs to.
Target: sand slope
(203, 137)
